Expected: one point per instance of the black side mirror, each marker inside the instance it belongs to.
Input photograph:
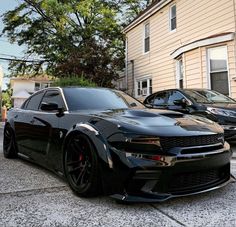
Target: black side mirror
(181, 102)
(133, 104)
(49, 106)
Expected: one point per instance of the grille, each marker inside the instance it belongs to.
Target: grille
(186, 181)
(170, 142)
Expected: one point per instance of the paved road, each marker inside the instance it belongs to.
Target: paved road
(32, 196)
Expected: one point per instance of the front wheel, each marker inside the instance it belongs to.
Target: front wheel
(9, 143)
(81, 166)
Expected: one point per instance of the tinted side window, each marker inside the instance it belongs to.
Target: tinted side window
(160, 99)
(150, 99)
(174, 95)
(53, 96)
(34, 101)
(25, 103)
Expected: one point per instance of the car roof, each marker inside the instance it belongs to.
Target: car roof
(78, 87)
(195, 89)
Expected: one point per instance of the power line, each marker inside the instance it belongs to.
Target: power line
(21, 60)
(8, 55)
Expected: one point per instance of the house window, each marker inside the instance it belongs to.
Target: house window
(120, 85)
(180, 73)
(144, 87)
(146, 38)
(172, 18)
(45, 85)
(218, 69)
(37, 87)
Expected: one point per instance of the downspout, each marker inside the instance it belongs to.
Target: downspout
(132, 73)
(126, 64)
(201, 69)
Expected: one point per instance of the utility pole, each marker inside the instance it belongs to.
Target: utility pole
(1, 81)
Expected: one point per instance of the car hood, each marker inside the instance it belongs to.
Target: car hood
(228, 106)
(161, 122)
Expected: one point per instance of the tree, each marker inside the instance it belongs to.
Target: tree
(72, 37)
(73, 81)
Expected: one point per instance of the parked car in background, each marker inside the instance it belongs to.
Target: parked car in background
(202, 102)
(104, 141)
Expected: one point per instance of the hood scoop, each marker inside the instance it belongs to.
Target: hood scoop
(172, 115)
(138, 113)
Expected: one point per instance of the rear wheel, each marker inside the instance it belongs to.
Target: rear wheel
(81, 166)
(9, 143)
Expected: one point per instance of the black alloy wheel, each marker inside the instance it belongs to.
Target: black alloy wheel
(9, 143)
(81, 166)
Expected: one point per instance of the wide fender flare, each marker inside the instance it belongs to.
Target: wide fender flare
(101, 145)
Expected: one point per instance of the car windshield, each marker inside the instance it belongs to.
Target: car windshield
(207, 96)
(98, 99)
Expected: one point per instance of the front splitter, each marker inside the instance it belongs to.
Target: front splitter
(156, 197)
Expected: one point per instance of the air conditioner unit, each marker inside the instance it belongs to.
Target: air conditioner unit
(144, 92)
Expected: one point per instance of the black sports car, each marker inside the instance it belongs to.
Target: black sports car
(104, 141)
(203, 102)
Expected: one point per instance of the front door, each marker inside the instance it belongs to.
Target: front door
(46, 128)
(23, 124)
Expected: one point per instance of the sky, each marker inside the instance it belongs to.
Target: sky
(7, 49)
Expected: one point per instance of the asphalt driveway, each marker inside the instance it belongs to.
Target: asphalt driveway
(33, 196)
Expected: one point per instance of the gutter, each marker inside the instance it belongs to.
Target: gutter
(146, 15)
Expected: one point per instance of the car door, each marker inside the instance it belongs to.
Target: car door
(46, 130)
(173, 96)
(23, 120)
(160, 100)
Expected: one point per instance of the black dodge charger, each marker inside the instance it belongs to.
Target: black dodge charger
(104, 141)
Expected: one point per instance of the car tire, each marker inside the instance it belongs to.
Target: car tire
(81, 166)
(9, 143)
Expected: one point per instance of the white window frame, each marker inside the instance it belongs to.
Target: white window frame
(144, 37)
(209, 66)
(140, 80)
(178, 72)
(170, 18)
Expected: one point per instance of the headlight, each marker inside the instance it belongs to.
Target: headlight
(222, 112)
(145, 140)
(140, 145)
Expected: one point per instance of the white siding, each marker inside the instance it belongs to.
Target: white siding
(195, 20)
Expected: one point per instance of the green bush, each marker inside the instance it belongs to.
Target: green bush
(73, 81)
(6, 98)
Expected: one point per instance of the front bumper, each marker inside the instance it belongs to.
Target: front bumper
(151, 197)
(175, 176)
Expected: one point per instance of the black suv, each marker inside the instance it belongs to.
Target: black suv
(202, 102)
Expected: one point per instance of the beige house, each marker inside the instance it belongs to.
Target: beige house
(182, 44)
(24, 86)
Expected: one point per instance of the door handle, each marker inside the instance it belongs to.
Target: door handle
(16, 116)
(32, 121)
